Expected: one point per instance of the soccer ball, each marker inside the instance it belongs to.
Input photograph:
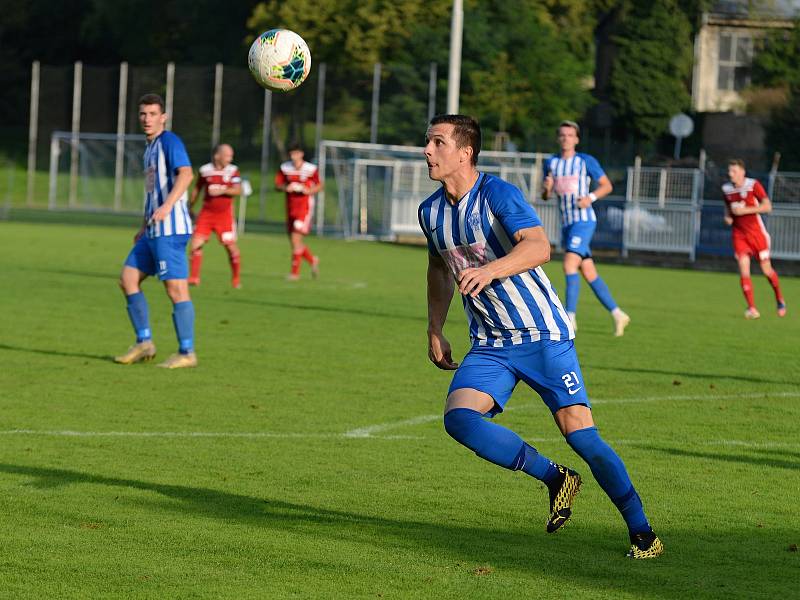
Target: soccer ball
(279, 60)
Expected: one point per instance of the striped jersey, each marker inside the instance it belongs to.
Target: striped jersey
(571, 178)
(162, 157)
(479, 229)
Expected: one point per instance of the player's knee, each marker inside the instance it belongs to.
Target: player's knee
(461, 423)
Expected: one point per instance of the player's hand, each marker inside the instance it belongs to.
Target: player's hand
(439, 352)
(471, 281)
(139, 234)
(217, 189)
(547, 187)
(295, 187)
(738, 210)
(584, 202)
(728, 220)
(161, 213)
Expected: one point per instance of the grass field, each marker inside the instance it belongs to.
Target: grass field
(305, 456)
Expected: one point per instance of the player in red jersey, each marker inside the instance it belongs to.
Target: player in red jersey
(300, 180)
(220, 180)
(745, 202)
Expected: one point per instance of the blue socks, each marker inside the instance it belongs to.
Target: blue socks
(610, 473)
(497, 444)
(573, 289)
(140, 319)
(183, 319)
(603, 294)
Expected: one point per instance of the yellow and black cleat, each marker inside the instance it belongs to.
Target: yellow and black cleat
(645, 545)
(562, 494)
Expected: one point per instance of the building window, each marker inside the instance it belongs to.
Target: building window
(735, 58)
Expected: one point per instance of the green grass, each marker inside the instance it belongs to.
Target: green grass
(702, 405)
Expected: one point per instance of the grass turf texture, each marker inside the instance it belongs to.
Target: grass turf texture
(702, 405)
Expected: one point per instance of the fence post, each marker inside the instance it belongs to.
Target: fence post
(119, 162)
(51, 192)
(217, 116)
(321, 165)
(376, 98)
(170, 93)
(33, 132)
(320, 110)
(262, 188)
(637, 177)
(662, 187)
(432, 91)
(77, 84)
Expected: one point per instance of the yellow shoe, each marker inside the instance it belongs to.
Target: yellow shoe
(621, 321)
(645, 545)
(179, 361)
(143, 351)
(562, 494)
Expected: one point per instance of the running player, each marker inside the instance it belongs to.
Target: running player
(221, 181)
(484, 236)
(300, 180)
(160, 245)
(745, 202)
(569, 173)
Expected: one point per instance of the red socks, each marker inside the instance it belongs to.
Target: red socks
(776, 286)
(308, 256)
(747, 289)
(235, 261)
(196, 262)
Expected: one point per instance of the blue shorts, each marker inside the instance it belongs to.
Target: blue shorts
(164, 256)
(576, 238)
(550, 368)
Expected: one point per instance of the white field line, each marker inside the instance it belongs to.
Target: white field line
(375, 431)
(370, 430)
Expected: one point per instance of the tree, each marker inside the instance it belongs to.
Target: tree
(652, 67)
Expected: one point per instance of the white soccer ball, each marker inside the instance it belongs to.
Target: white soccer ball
(279, 60)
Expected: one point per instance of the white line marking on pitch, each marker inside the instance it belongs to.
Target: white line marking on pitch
(193, 434)
(369, 430)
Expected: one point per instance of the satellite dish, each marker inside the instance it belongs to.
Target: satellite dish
(681, 125)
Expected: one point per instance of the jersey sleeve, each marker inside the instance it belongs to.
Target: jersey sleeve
(510, 207)
(758, 190)
(236, 177)
(315, 177)
(593, 168)
(431, 246)
(280, 178)
(175, 152)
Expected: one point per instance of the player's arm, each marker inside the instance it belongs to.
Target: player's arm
(182, 183)
(195, 192)
(728, 217)
(547, 187)
(604, 188)
(531, 250)
(440, 293)
(764, 206)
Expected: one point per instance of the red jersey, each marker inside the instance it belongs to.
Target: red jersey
(211, 176)
(307, 174)
(751, 193)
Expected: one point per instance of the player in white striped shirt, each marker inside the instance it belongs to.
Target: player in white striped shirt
(483, 236)
(568, 174)
(160, 245)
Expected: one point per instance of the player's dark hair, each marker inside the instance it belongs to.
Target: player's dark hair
(466, 132)
(294, 146)
(572, 124)
(736, 162)
(149, 99)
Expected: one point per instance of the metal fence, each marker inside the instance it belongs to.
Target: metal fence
(373, 191)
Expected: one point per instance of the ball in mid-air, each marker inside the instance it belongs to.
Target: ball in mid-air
(279, 60)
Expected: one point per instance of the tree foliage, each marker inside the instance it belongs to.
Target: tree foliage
(652, 67)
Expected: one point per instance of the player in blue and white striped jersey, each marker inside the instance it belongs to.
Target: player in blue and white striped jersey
(484, 238)
(160, 246)
(569, 174)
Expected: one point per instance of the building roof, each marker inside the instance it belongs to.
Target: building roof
(756, 9)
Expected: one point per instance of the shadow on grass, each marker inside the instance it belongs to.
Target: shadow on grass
(698, 563)
(689, 374)
(778, 459)
(328, 309)
(50, 352)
